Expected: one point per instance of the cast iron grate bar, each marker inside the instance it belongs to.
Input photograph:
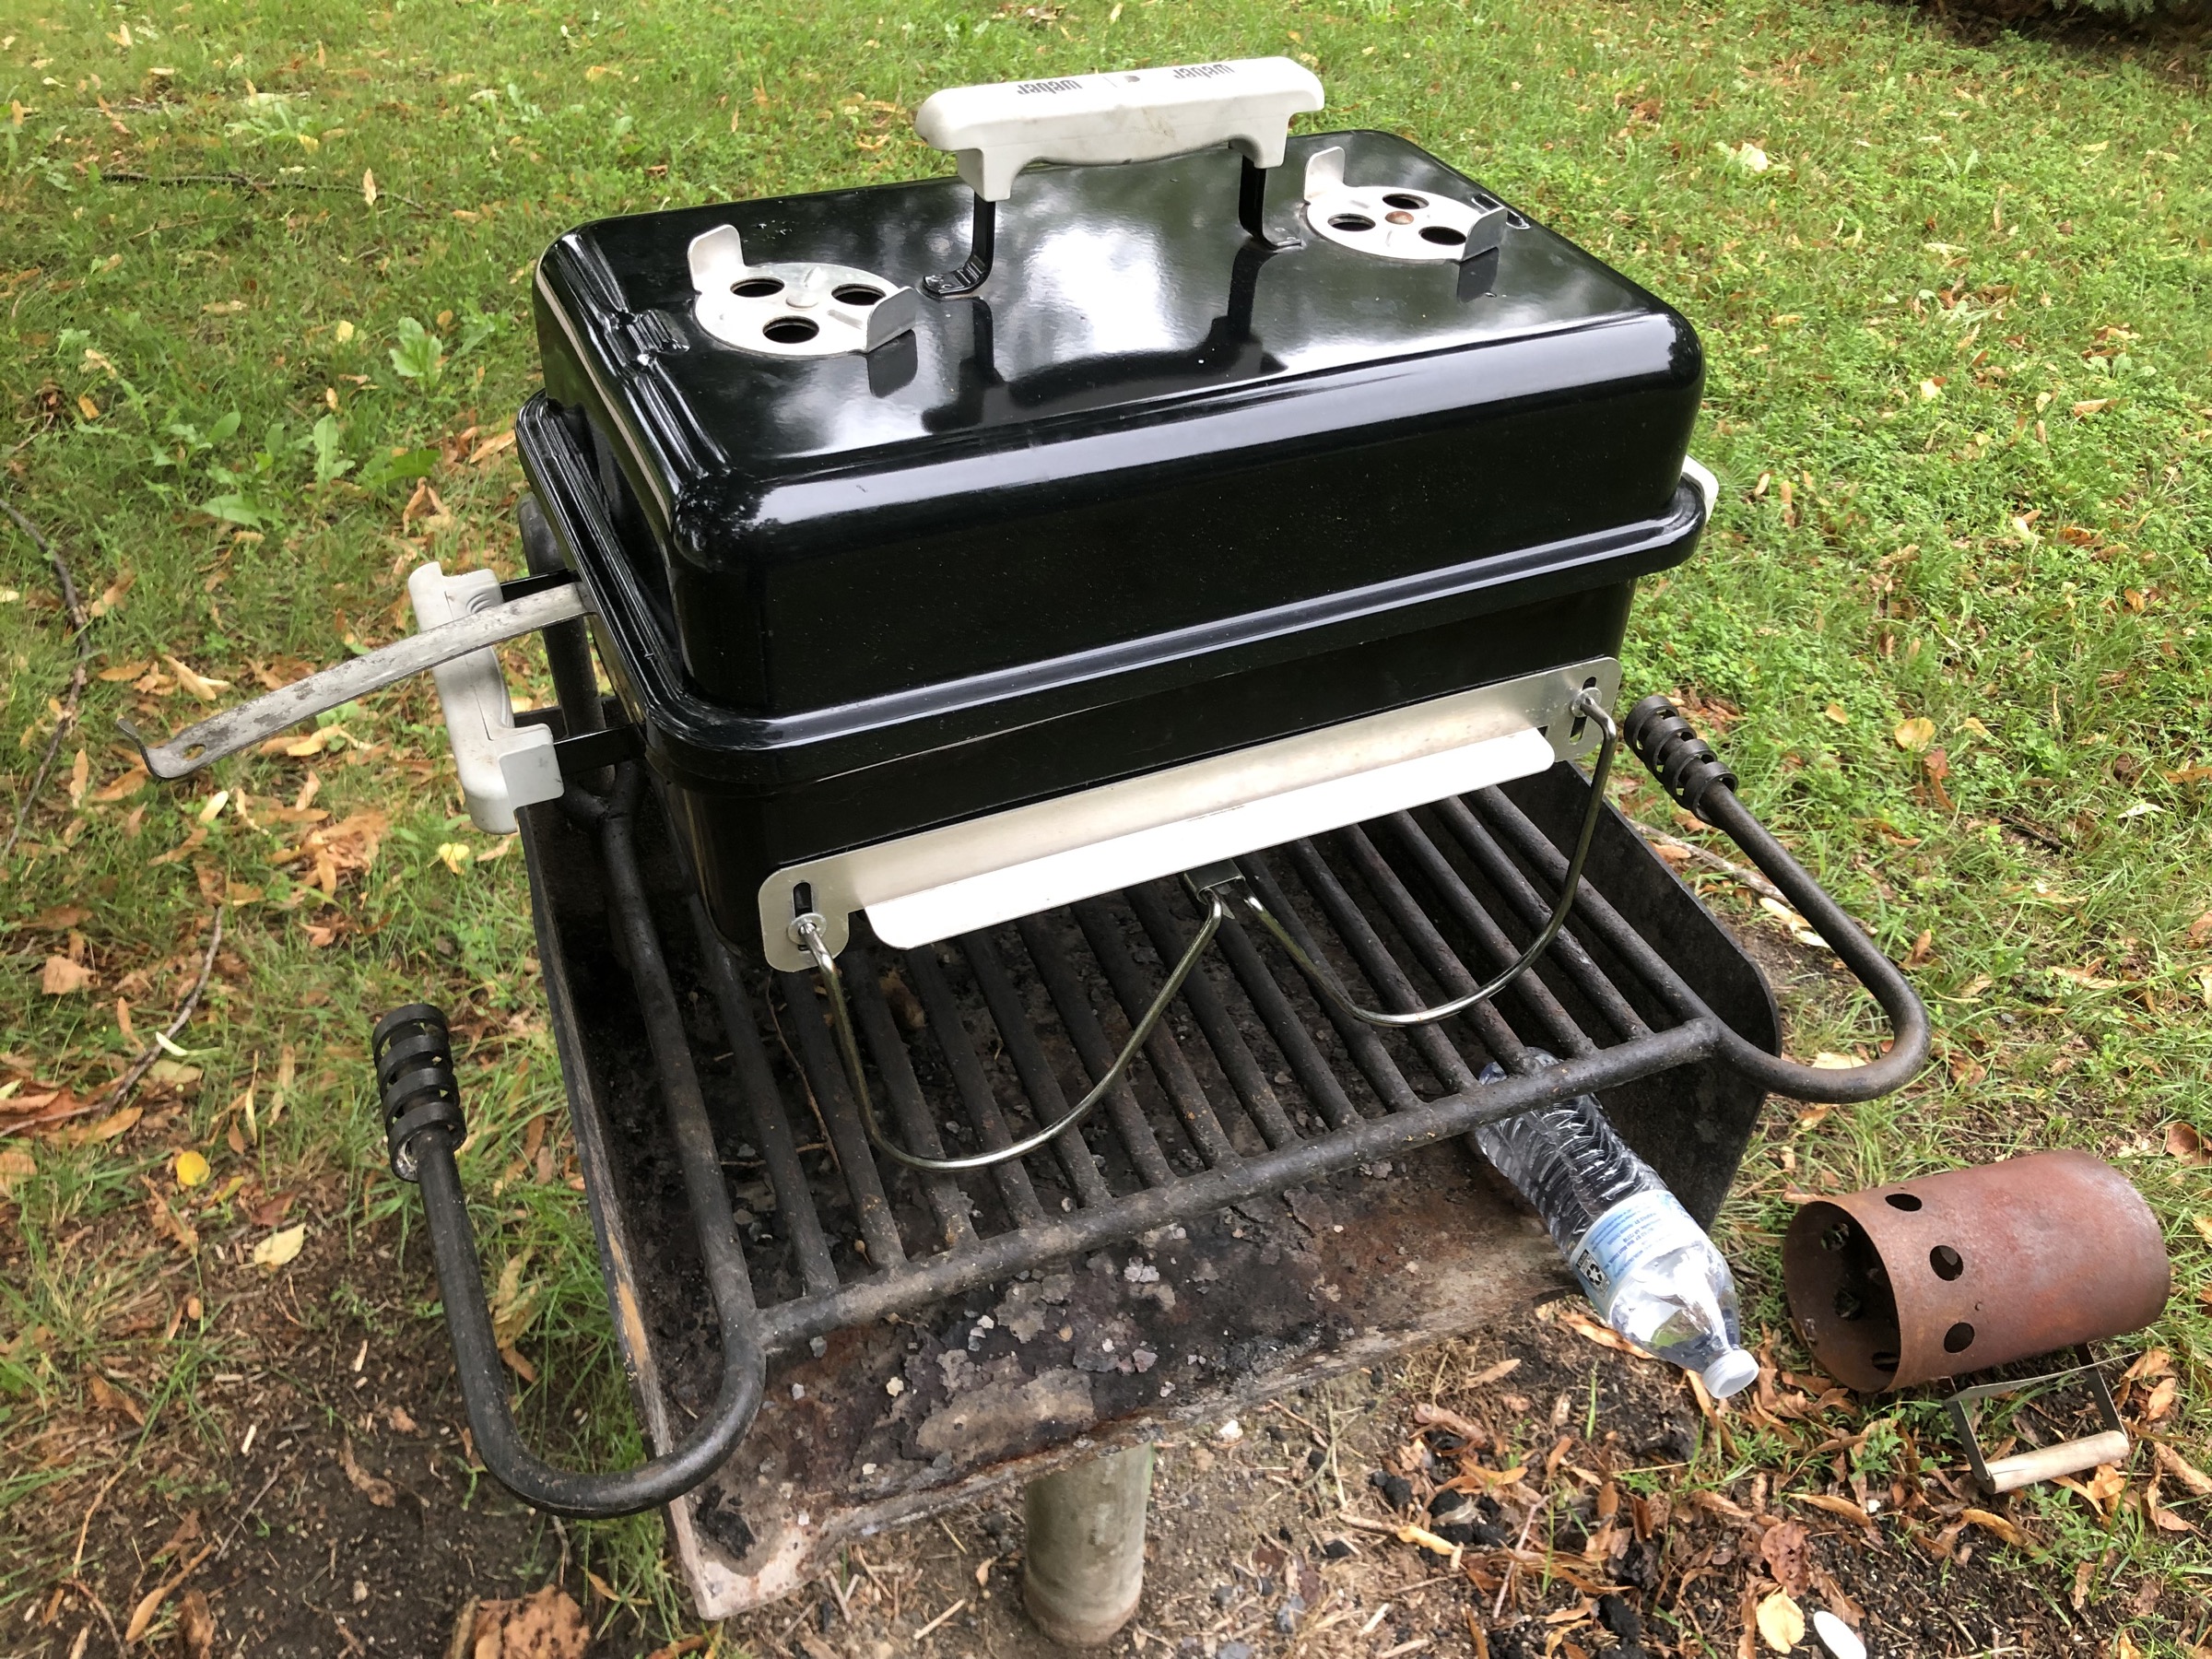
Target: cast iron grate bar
(825, 1080)
(1237, 1061)
(1252, 1082)
(1496, 948)
(1169, 1065)
(1569, 955)
(896, 1066)
(1038, 1082)
(945, 1023)
(1363, 1042)
(1081, 1022)
(770, 1127)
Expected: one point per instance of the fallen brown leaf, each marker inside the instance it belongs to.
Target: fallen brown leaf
(1835, 1506)
(167, 1222)
(13, 1165)
(546, 1625)
(108, 1397)
(375, 1488)
(2150, 1362)
(61, 976)
(115, 1123)
(1437, 1416)
(2182, 1470)
(1781, 1621)
(1604, 1335)
(1996, 1523)
(496, 445)
(199, 685)
(2184, 1142)
(2164, 1519)
(195, 1627)
(2161, 1399)
(1719, 1506)
(151, 1603)
(129, 783)
(1784, 1547)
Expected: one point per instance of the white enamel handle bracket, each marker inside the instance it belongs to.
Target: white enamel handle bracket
(1090, 120)
(502, 766)
(250, 723)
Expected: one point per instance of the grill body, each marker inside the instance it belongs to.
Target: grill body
(1157, 493)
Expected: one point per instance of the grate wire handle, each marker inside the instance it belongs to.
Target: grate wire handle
(1588, 707)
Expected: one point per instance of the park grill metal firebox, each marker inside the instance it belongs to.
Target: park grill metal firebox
(1124, 649)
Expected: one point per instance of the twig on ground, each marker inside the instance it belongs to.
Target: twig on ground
(100, 1607)
(91, 1509)
(247, 1514)
(1506, 1582)
(152, 1051)
(1735, 872)
(940, 1618)
(73, 609)
(260, 186)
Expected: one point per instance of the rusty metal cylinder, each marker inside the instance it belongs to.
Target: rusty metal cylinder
(1958, 1272)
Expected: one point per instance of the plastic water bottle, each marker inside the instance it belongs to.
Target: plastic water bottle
(1648, 1267)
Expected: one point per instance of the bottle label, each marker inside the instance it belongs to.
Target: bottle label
(1639, 1228)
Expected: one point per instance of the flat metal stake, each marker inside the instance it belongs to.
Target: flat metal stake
(1083, 1562)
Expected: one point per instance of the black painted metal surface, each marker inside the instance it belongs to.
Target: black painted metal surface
(1279, 1174)
(1154, 493)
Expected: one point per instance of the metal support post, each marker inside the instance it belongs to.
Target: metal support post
(1084, 1559)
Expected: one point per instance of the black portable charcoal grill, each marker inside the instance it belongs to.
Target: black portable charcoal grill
(1131, 656)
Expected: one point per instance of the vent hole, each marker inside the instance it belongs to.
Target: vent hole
(856, 293)
(1849, 1306)
(1442, 235)
(1835, 1238)
(1958, 1338)
(1883, 1360)
(1351, 221)
(1405, 198)
(792, 331)
(756, 288)
(1904, 1201)
(1947, 1262)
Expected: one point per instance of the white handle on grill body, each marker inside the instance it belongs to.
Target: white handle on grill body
(502, 766)
(982, 871)
(1133, 115)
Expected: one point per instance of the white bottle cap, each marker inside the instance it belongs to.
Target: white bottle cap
(1732, 1373)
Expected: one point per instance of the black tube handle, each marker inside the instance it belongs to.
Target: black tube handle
(1684, 762)
(1689, 769)
(422, 1099)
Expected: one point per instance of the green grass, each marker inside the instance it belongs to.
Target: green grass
(1960, 398)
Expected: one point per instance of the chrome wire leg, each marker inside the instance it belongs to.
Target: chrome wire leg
(1083, 1561)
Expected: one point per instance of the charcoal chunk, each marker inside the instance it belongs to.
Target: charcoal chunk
(1397, 1492)
(1620, 1618)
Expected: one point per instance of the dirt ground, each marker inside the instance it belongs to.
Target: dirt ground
(320, 1501)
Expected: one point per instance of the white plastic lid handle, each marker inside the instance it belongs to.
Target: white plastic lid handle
(1133, 115)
